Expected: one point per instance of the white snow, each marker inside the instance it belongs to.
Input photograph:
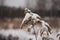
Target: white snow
(24, 35)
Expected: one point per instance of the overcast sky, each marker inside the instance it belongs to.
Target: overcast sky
(21, 3)
(15, 3)
(30, 3)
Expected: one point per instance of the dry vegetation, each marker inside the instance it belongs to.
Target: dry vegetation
(15, 22)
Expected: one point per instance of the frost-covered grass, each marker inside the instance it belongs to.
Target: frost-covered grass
(24, 35)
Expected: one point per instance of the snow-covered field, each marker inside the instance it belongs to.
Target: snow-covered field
(24, 35)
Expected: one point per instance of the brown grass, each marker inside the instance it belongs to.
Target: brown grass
(15, 22)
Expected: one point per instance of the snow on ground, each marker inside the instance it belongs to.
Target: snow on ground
(24, 35)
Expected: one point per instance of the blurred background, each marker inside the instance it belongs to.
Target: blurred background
(12, 11)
